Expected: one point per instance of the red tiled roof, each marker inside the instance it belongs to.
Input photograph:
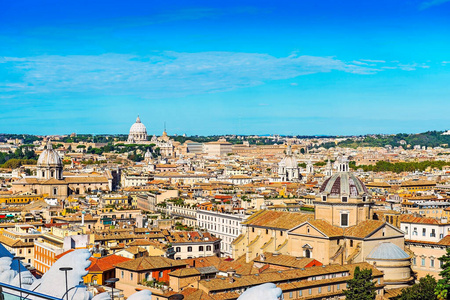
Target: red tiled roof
(105, 263)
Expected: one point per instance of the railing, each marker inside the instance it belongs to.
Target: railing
(10, 292)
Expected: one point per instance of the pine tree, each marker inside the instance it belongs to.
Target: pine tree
(443, 285)
(361, 287)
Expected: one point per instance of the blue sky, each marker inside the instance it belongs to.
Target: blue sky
(218, 67)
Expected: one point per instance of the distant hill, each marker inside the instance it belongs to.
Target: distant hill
(428, 139)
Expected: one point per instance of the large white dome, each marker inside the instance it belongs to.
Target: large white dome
(49, 157)
(138, 132)
(138, 127)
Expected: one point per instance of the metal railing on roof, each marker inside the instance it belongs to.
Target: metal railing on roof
(10, 292)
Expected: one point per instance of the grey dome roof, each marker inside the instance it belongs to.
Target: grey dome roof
(49, 157)
(387, 250)
(343, 183)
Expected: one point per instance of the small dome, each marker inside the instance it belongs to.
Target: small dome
(49, 157)
(289, 161)
(148, 154)
(138, 127)
(387, 250)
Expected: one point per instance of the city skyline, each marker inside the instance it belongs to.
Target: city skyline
(247, 67)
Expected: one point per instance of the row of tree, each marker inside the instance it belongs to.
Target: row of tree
(384, 166)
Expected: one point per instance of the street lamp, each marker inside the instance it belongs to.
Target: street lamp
(112, 281)
(19, 258)
(65, 270)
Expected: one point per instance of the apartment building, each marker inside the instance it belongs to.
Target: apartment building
(226, 226)
(192, 244)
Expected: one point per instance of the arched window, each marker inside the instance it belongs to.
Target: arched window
(189, 249)
(307, 253)
(178, 249)
(200, 248)
(208, 248)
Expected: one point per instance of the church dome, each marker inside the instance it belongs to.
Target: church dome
(289, 161)
(49, 157)
(138, 127)
(148, 155)
(343, 183)
(387, 250)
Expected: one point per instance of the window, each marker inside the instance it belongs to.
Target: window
(131, 276)
(160, 274)
(344, 219)
(424, 232)
(319, 289)
(310, 291)
(300, 293)
(414, 261)
(200, 248)
(351, 243)
(290, 295)
(308, 254)
(338, 287)
(208, 248)
(423, 262)
(433, 233)
(253, 229)
(189, 249)
(55, 191)
(415, 231)
(267, 231)
(432, 263)
(344, 199)
(324, 198)
(364, 198)
(406, 229)
(329, 288)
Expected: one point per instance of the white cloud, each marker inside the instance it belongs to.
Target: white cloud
(373, 60)
(428, 4)
(167, 73)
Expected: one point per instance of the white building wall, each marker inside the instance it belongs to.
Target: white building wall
(224, 226)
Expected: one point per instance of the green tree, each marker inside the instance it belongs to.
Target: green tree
(443, 285)
(424, 290)
(361, 287)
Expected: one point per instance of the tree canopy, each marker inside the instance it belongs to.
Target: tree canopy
(361, 286)
(423, 290)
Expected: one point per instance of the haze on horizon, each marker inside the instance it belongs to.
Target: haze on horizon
(237, 67)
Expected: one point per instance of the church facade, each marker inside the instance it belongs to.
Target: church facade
(50, 180)
(342, 230)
